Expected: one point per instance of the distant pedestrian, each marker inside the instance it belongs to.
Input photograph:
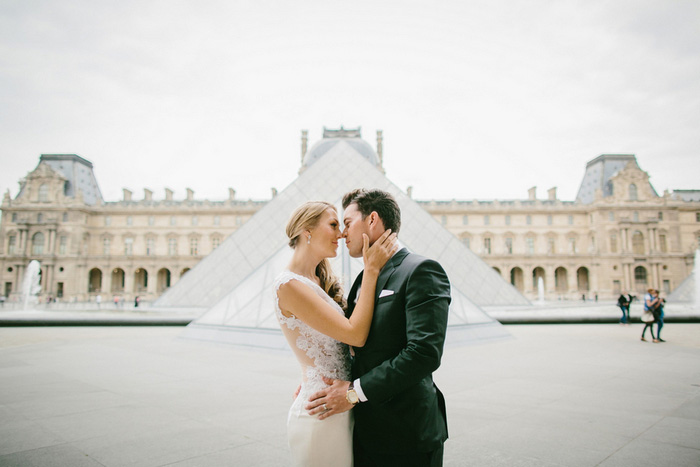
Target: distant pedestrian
(116, 301)
(98, 300)
(659, 315)
(651, 300)
(136, 301)
(623, 302)
(2, 300)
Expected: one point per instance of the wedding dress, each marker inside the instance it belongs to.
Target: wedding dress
(315, 442)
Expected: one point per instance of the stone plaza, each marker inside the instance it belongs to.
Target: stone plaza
(549, 395)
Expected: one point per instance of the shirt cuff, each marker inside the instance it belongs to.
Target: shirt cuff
(358, 389)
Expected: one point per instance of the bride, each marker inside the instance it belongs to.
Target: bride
(309, 306)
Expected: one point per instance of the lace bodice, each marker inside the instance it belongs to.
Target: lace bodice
(318, 354)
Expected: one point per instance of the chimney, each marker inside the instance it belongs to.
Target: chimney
(380, 149)
(147, 195)
(231, 194)
(274, 191)
(552, 194)
(409, 192)
(190, 194)
(532, 193)
(304, 140)
(127, 194)
(168, 194)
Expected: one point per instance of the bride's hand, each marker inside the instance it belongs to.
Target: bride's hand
(376, 256)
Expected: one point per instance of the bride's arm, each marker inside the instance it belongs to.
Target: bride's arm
(298, 299)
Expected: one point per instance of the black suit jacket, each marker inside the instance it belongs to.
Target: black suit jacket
(405, 411)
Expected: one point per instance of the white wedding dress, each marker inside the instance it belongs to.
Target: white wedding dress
(315, 442)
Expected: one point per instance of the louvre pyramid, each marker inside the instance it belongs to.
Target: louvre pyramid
(234, 283)
(685, 292)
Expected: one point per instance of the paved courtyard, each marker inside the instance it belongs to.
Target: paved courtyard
(553, 395)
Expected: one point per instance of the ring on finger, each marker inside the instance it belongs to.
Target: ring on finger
(325, 408)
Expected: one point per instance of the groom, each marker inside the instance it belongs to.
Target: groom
(400, 416)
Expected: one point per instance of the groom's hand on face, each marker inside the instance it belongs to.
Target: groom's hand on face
(331, 400)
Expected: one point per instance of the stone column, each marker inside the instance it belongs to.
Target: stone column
(627, 282)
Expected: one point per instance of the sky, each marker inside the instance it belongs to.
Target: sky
(476, 99)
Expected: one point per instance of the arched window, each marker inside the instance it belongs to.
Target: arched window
(43, 193)
(582, 279)
(640, 279)
(38, 244)
(516, 278)
(118, 277)
(633, 192)
(638, 243)
(95, 280)
(561, 282)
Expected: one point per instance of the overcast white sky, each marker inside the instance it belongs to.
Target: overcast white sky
(477, 99)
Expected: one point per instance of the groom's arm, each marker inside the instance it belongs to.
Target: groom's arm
(427, 304)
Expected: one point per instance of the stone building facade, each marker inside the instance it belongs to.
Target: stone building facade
(618, 235)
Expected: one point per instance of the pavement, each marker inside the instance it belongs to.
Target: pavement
(552, 395)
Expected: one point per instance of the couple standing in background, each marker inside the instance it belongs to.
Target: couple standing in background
(367, 395)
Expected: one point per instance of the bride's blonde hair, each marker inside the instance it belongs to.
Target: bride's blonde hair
(306, 217)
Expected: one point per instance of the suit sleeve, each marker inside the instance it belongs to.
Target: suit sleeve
(427, 303)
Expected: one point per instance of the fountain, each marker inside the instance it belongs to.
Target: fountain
(540, 291)
(31, 286)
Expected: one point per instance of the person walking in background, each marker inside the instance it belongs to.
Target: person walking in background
(624, 303)
(659, 315)
(651, 300)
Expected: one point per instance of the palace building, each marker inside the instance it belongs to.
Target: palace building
(619, 234)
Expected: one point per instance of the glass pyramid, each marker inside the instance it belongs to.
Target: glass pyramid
(234, 283)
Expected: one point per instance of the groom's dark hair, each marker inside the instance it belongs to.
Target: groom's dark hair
(375, 200)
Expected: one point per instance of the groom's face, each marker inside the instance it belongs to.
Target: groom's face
(355, 226)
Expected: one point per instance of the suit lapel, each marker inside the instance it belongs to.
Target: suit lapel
(388, 270)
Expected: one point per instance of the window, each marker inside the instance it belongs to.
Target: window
(195, 220)
(129, 220)
(465, 219)
(571, 220)
(65, 217)
(39, 218)
(487, 219)
(173, 221)
(194, 247)
(507, 220)
(551, 246)
(172, 246)
(108, 220)
(14, 216)
(661, 216)
(613, 243)
(215, 242)
(43, 193)
(635, 216)
(572, 245)
(38, 244)
(62, 245)
(528, 219)
(638, 243)
(530, 245)
(662, 243)
(697, 217)
(217, 220)
(239, 221)
(443, 220)
(151, 220)
(467, 242)
(549, 219)
(509, 245)
(150, 246)
(106, 244)
(11, 244)
(487, 246)
(611, 216)
(128, 246)
(633, 192)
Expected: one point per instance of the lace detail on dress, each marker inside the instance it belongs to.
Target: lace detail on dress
(318, 354)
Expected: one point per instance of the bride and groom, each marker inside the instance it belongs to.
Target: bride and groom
(374, 353)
